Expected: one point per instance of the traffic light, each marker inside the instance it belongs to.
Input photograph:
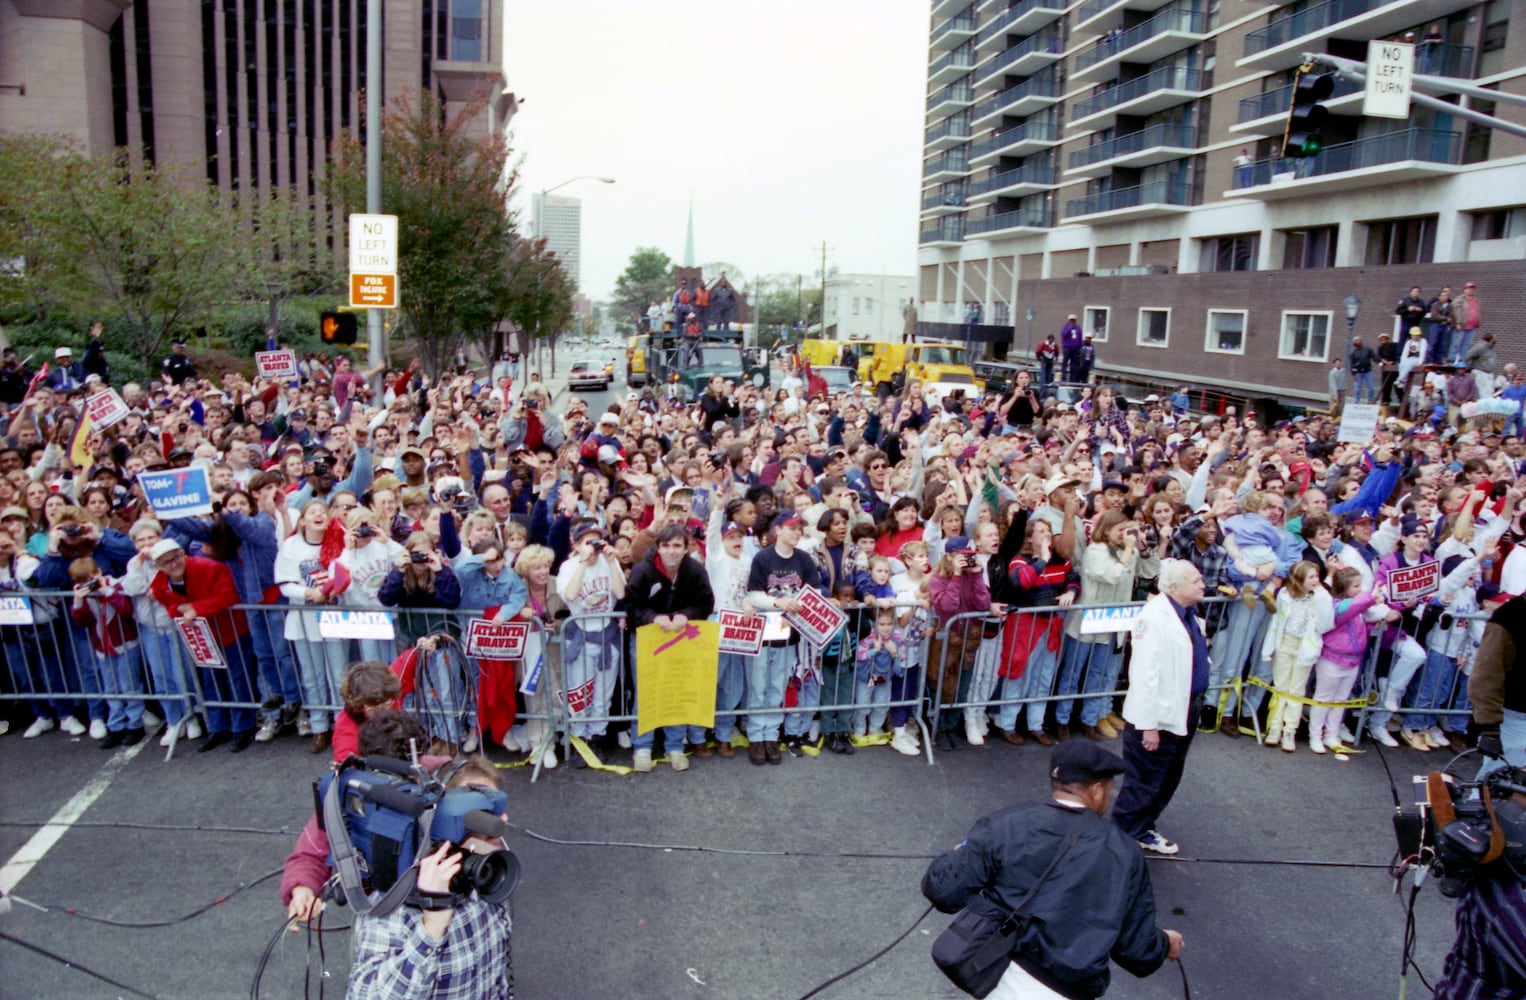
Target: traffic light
(338, 327)
(1307, 116)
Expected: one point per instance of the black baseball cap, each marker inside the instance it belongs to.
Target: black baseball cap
(1081, 761)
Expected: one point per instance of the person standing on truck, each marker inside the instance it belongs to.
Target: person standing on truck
(909, 321)
(1070, 344)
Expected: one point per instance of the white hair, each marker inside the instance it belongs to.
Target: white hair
(1174, 573)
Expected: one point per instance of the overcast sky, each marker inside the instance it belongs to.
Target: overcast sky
(791, 122)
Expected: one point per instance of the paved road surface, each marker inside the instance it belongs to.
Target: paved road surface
(632, 922)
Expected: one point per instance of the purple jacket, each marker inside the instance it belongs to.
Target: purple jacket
(1346, 643)
(1071, 336)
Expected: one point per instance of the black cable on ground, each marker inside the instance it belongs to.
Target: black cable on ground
(144, 924)
(69, 963)
(1186, 990)
(161, 827)
(872, 958)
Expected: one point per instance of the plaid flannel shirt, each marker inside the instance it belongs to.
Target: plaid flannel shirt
(395, 960)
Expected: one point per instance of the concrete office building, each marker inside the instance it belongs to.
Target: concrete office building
(867, 306)
(248, 92)
(560, 220)
(1080, 157)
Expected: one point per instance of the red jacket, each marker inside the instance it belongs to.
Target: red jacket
(209, 588)
(109, 619)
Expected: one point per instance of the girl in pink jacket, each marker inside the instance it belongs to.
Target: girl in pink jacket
(1340, 658)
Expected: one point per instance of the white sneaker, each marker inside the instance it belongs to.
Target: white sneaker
(972, 734)
(469, 745)
(40, 725)
(548, 757)
(643, 761)
(72, 726)
(1437, 738)
(1318, 747)
(5, 727)
(1382, 735)
(1289, 745)
(510, 743)
(679, 760)
(304, 727)
(169, 735)
(1347, 736)
(815, 736)
(268, 730)
(151, 719)
(623, 737)
(97, 729)
(522, 737)
(193, 729)
(901, 743)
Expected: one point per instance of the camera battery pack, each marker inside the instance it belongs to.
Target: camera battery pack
(1409, 830)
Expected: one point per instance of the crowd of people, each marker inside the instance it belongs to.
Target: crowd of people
(963, 537)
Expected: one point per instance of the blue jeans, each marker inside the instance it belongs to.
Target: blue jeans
(120, 675)
(1232, 645)
(903, 688)
(807, 700)
(1437, 340)
(1036, 681)
(1438, 679)
(591, 662)
(1461, 343)
(164, 673)
(81, 657)
(323, 665)
(1075, 657)
(730, 689)
(1513, 741)
(278, 674)
(766, 677)
(1101, 679)
(1364, 379)
(25, 659)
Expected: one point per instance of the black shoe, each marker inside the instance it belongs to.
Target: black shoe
(133, 737)
(945, 741)
(289, 715)
(242, 740)
(113, 739)
(848, 749)
(834, 742)
(214, 740)
(771, 752)
(270, 705)
(792, 744)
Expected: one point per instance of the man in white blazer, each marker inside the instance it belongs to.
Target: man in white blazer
(1167, 678)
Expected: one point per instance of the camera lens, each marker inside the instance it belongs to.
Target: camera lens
(494, 876)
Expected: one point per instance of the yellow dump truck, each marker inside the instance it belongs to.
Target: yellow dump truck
(885, 367)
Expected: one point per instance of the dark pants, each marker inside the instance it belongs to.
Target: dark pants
(836, 689)
(1150, 779)
(1072, 365)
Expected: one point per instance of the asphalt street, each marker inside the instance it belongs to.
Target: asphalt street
(652, 918)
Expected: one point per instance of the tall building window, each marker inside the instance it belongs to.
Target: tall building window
(1230, 253)
(1401, 241)
(1094, 322)
(466, 30)
(1309, 248)
(1305, 336)
(1226, 331)
(1154, 328)
(1499, 224)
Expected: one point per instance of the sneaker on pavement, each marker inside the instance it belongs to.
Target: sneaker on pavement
(134, 737)
(40, 725)
(268, 730)
(548, 757)
(1438, 739)
(97, 729)
(1289, 744)
(510, 743)
(304, 727)
(1415, 740)
(469, 745)
(679, 760)
(643, 761)
(623, 737)
(972, 733)
(1347, 736)
(1318, 747)
(151, 719)
(291, 715)
(113, 739)
(72, 726)
(1156, 844)
(193, 729)
(1382, 735)
(900, 742)
(5, 727)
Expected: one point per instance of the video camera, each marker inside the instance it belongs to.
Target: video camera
(383, 815)
(1459, 828)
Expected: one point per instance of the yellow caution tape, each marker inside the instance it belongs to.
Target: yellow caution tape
(592, 759)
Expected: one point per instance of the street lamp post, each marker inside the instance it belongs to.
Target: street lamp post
(1030, 315)
(1353, 308)
(540, 358)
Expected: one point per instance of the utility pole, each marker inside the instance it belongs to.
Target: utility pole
(376, 336)
(823, 306)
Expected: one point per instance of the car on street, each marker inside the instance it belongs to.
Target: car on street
(837, 378)
(598, 373)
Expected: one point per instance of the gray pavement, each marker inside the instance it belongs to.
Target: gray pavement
(639, 922)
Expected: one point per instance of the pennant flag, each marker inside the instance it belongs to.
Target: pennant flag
(79, 445)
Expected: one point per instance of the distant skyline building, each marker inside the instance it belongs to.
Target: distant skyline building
(560, 220)
(866, 306)
(689, 237)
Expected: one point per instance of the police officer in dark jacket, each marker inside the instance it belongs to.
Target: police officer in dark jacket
(1095, 905)
(177, 367)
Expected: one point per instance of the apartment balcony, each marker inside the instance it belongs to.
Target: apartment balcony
(956, 30)
(1020, 101)
(1281, 44)
(942, 203)
(1021, 140)
(951, 133)
(1022, 18)
(1156, 144)
(1374, 161)
(1104, 15)
(1023, 59)
(949, 232)
(1267, 113)
(1030, 178)
(1171, 30)
(1155, 91)
(949, 66)
(950, 166)
(1122, 204)
(1009, 224)
(946, 100)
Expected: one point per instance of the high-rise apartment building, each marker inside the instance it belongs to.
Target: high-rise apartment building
(249, 92)
(1118, 160)
(560, 220)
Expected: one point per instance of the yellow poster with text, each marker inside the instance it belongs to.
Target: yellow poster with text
(675, 675)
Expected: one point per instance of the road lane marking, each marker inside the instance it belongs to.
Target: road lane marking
(34, 850)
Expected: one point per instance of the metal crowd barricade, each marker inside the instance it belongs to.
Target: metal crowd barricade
(588, 683)
(1447, 697)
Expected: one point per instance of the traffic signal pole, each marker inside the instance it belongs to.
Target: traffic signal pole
(1357, 71)
(376, 337)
